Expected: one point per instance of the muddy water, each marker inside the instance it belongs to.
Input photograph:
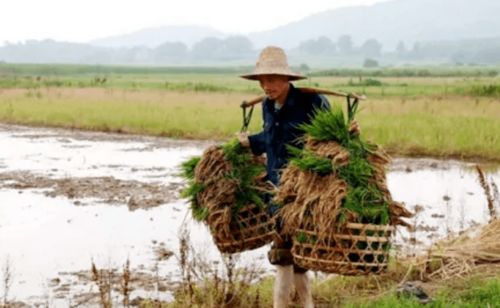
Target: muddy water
(445, 195)
(68, 197)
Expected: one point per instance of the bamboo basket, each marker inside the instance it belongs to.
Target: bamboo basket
(353, 249)
(252, 227)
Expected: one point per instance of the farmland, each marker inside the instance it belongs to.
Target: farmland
(441, 112)
(79, 172)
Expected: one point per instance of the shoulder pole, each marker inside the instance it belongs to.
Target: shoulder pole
(352, 103)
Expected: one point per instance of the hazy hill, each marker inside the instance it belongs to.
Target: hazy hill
(434, 32)
(393, 21)
(388, 22)
(50, 51)
(153, 37)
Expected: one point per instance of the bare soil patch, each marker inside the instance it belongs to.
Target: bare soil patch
(107, 190)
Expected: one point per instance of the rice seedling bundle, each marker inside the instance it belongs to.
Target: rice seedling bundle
(335, 201)
(227, 190)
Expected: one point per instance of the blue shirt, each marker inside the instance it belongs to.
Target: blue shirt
(281, 128)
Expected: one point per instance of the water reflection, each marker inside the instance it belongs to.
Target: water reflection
(447, 197)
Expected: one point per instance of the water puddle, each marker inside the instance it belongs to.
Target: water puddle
(445, 195)
(70, 197)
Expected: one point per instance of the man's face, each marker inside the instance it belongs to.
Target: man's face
(275, 86)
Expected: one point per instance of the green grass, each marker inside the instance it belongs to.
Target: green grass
(449, 128)
(360, 292)
(175, 114)
(425, 72)
(71, 69)
(451, 116)
(409, 82)
(477, 293)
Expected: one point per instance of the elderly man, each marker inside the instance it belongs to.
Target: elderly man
(284, 109)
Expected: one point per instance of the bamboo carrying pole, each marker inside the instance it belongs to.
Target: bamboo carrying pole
(261, 98)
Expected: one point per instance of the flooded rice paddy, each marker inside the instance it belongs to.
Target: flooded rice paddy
(68, 198)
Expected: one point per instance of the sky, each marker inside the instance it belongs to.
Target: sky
(84, 20)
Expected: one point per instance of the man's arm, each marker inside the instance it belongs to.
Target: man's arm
(258, 143)
(255, 142)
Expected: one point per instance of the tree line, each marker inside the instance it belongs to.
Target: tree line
(239, 49)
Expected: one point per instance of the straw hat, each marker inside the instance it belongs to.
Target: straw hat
(272, 61)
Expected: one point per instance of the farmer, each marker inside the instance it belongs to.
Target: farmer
(284, 109)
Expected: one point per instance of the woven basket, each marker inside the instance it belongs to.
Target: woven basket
(251, 228)
(353, 249)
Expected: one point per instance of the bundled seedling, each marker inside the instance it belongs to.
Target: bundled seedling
(227, 189)
(335, 201)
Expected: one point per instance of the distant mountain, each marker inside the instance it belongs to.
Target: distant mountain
(153, 37)
(433, 31)
(50, 51)
(390, 22)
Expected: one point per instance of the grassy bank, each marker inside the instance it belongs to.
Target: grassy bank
(351, 292)
(436, 125)
(458, 272)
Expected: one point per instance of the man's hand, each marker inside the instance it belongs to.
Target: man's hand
(243, 139)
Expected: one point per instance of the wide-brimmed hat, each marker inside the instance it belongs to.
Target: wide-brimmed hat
(272, 61)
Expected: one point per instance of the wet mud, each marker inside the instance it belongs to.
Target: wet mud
(107, 190)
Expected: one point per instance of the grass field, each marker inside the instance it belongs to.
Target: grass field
(475, 290)
(446, 116)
